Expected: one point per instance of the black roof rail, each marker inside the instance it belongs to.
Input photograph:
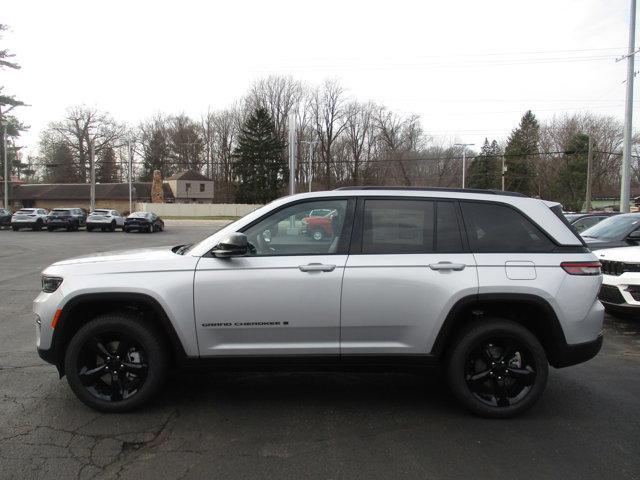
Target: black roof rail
(439, 189)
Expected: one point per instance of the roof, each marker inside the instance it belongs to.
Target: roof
(439, 189)
(82, 191)
(189, 175)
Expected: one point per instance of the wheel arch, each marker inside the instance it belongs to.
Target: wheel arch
(84, 307)
(531, 311)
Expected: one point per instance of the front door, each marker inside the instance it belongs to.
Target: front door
(408, 268)
(284, 297)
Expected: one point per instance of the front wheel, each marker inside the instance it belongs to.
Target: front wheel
(14, 228)
(497, 368)
(116, 362)
(317, 235)
(38, 226)
(89, 229)
(112, 226)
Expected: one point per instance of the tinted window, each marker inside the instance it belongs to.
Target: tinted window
(448, 238)
(614, 227)
(499, 228)
(397, 226)
(586, 222)
(291, 231)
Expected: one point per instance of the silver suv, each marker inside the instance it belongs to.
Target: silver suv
(492, 286)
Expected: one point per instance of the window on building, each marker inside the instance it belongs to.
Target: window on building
(202, 187)
(187, 186)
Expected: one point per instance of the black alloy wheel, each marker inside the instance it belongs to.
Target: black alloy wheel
(500, 371)
(497, 368)
(112, 366)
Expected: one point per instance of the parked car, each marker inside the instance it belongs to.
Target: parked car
(70, 219)
(143, 222)
(28, 218)
(105, 219)
(319, 224)
(620, 292)
(484, 284)
(618, 231)
(5, 217)
(582, 221)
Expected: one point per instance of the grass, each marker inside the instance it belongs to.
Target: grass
(220, 217)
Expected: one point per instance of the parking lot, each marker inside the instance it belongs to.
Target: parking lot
(297, 425)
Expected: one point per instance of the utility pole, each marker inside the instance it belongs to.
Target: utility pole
(92, 174)
(464, 160)
(6, 165)
(503, 171)
(625, 174)
(292, 153)
(587, 202)
(312, 144)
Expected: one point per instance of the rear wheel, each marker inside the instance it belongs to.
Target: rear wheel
(49, 229)
(112, 226)
(317, 235)
(14, 228)
(497, 368)
(38, 226)
(116, 363)
(89, 229)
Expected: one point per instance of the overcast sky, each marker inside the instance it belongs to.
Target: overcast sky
(468, 68)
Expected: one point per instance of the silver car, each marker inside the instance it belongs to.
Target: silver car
(493, 287)
(105, 220)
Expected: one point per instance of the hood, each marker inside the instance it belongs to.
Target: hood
(140, 254)
(624, 254)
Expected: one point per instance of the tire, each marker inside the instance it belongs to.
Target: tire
(14, 228)
(38, 226)
(89, 229)
(317, 234)
(125, 229)
(49, 229)
(112, 226)
(95, 347)
(513, 384)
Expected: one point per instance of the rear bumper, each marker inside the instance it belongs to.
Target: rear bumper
(59, 224)
(21, 224)
(566, 355)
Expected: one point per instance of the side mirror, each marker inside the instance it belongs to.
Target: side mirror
(233, 245)
(635, 236)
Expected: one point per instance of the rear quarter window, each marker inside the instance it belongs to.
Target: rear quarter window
(499, 228)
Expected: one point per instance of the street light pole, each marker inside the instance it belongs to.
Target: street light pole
(130, 174)
(625, 174)
(292, 153)
(6, 165)
(464, 160)
(587, 202)
(312, 144)
(92, 174)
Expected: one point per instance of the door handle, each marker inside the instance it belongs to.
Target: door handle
(317, 267)
(447, 266)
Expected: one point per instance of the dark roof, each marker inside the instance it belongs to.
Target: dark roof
(81, 191)
(189, 175)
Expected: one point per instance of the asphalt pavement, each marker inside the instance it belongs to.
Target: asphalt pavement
(297, 425)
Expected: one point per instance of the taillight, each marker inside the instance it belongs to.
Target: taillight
(581, 268)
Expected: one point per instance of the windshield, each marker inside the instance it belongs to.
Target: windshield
(140, 215)
(26, 211)
(60, 213)
(613, 227)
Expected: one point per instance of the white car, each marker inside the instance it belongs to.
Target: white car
(105, 220)
(620, 292)
(33, 218)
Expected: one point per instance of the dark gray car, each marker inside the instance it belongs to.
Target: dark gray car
(618, 231)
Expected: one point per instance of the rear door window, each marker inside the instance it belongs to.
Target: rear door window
(448, 235)
(398, 226)
(499, 228)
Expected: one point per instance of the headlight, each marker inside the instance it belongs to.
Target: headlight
(50, 284)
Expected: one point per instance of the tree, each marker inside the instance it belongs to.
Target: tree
(484, 171)
(81, 125)
(522, 147)
(258, 160)
(106, 168)
(155, 149)
(186, 145)
(61, 168)
(570, 183)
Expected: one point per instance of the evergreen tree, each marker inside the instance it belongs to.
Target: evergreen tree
(259, 165)
(569, 185)
(61, 168)
(106, 168)
(155, 156)
(484, 171)
(520, 152)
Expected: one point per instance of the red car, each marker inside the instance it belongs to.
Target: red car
(319, 224)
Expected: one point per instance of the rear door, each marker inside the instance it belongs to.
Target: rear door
(408, 265)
